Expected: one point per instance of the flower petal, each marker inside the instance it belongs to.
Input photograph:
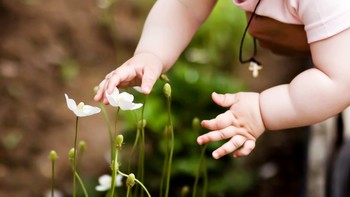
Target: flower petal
(70, 103)
(90, 110)
(113, 98)
(105, 183)
(126, 97)
(105, 179)
(136, 106)
(118, 181)
(102, 188)
(125, 105)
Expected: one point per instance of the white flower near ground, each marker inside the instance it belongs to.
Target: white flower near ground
(123, 100)
(105, 182)
(56, 193)
(81, 110)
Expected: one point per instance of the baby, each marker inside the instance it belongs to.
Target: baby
(312, 96)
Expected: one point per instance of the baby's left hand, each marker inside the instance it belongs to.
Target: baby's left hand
(242, 123)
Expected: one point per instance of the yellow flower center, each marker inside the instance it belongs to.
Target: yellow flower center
(80, 105)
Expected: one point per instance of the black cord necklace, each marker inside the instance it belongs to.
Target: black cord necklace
(254, 65)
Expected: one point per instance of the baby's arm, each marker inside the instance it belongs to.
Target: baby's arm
(314, 95)
(168, 29)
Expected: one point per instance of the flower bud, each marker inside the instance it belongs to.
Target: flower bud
(53, 155)
(130, 181)
(119, 141)
(167, 90)
(164, 77)
(185, 190)
(82, 145)
(71, 154)
(142, 124)
(196, 124)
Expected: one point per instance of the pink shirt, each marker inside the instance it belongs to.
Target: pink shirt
(321, 18)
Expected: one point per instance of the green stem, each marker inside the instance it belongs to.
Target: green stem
(75, 153)
(171, 129)
(105, 115)
(142, 156)
(142, 147)
(134, 147)
(128, 192)
(137, 181)
(82, 185)
(166, 160)
(116, 123)
(200, 167)
(205, 176)
(53, 178)
(115, 167)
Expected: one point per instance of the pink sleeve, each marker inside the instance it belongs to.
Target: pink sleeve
(323, 18)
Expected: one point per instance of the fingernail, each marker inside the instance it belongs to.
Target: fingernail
(215, 155)
(146, 90)
(199, 141)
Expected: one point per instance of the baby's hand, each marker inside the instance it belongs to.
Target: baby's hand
(242, 123)
(142, 69)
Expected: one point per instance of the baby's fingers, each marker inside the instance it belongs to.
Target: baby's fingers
(221, 121)
(246, 149)
(123, 74)
(100, 92)
(218, 135)
(229, 147)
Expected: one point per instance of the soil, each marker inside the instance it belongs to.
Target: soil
(48, 48)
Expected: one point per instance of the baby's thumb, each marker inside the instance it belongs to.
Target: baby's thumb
(224, 100)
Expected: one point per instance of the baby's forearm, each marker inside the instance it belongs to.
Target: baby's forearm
(170, 26)
(310, 98)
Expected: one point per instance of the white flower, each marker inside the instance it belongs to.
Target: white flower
(123, 100)
(81, 110)
(56, 193)
(105, 182)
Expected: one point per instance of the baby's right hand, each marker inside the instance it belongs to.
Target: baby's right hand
(143, 69)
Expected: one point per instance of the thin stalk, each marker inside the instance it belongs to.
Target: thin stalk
(142, 155)
(142, 147)
(81, 184)
(166, 160)
(109, 127)
(200, 168)
(134, 146)
(53, 178)
(116, 123)
(128, 192)
(205, 177)
(74, 157)
(115, 167)
(171, 129)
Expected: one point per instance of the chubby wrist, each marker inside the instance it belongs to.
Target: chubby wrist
(259, 116)
(155, 57)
